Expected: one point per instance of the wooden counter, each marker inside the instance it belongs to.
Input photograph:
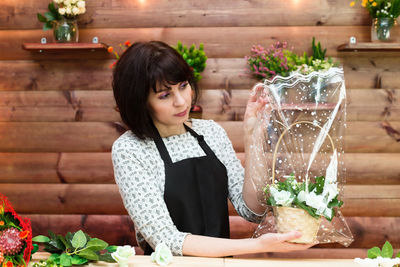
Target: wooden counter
(144, 261)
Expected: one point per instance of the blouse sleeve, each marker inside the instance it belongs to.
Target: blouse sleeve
(143, 199)
(235, 171)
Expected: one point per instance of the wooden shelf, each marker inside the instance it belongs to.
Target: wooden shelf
(59, 47)
(368, 47)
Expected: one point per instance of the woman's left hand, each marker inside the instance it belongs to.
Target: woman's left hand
(254, 104)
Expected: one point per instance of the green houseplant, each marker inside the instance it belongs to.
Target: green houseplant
(384, 14)
(62, 19)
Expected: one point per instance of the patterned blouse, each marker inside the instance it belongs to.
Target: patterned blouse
(140, 176)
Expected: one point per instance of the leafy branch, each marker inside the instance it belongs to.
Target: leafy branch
(386, 252)
(74, 249)
(49, 17)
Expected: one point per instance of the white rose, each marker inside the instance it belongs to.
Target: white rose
(61, 11)
(378, 262)
(331, 170)
(301, 196)
(367, 262)
(56, 1)
(68, 10)
(67, 2)
(122, 255)
(75, 10)
(81, 4)
(283, 197)
(162, 255)
(327, 213)
(330, 191)
(313, 200)
(74, 1)
(82, 10)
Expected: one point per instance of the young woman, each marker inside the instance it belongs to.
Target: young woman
(174, 174)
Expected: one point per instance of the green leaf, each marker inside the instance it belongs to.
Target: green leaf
(96, 244)
(79, 240)
(77, 260)
(89, 254)
(47, 26)
(52, 8)
(398, 255)
(374, 252)
(41, 239)
(54, 257)
(69, 237)
(111, 249)
(65, 260)
(49, 16)
(320, 181)
(106, 257)
(387, 250)
(64, 241)
(180, 45)
(35, 248)
(41, 18)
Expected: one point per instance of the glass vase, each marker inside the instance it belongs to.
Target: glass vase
(381, 29)
(66, 31)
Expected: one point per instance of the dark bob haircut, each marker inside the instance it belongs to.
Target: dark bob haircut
(142, 67)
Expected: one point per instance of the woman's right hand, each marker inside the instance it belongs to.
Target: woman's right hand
(276, 242)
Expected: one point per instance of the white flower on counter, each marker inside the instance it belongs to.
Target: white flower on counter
(283, 197)
(122, 255)
(162, 255)
(378, 262)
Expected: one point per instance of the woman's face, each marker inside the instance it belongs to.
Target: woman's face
(169, 107)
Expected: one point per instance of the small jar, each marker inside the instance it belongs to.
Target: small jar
(66, 31)
(381, 29)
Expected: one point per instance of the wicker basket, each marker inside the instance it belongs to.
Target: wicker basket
(296, 219)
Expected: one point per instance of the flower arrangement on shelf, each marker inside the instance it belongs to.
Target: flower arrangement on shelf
(279, 60)
(384, 14)
(15, 236)
(62, 19)
(73, 249)
(381, 8)
(380, 258)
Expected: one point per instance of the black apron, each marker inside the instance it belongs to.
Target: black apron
(196, 192)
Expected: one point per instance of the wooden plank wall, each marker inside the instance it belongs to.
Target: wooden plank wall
(57, 117)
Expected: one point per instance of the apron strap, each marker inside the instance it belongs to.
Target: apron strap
(163, 149)
(202, 142)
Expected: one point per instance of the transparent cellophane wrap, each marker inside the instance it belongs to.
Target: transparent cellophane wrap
(300, 132)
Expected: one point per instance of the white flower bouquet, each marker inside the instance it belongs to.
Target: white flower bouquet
(297, 135)
(70, 8)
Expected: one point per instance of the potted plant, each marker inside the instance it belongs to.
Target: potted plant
(277, 60)
(384, 14)
(62, 19)
(196, 59)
